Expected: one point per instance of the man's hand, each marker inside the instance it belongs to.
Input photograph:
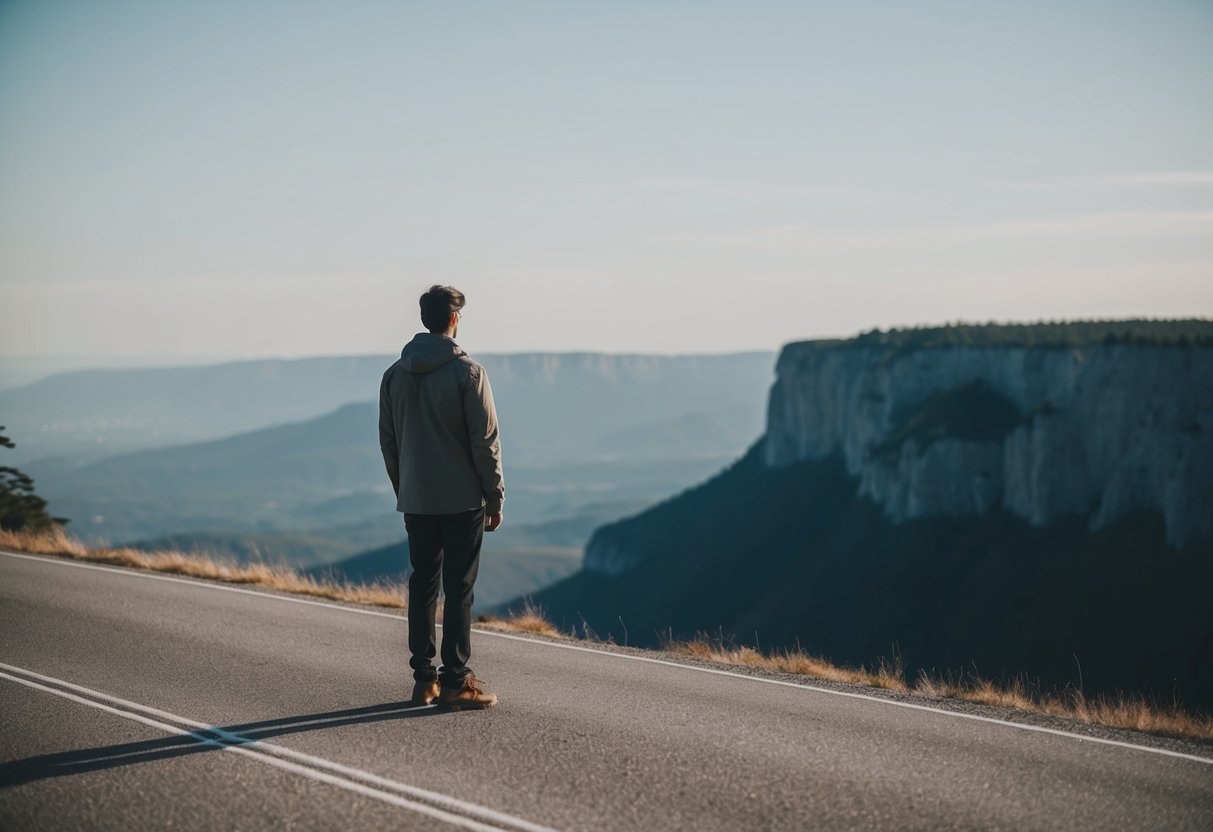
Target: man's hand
(492, 521)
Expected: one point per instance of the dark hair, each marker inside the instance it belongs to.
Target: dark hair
(437, 306)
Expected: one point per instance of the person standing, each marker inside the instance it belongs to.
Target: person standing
(439, 437)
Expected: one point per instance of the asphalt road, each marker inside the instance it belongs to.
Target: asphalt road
(136, 701)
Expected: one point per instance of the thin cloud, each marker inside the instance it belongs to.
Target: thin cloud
(731, 188)
(802, 236)
(1189, 177)
(1175, 178)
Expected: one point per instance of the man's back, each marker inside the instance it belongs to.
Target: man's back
(438, 430)
(438, 433)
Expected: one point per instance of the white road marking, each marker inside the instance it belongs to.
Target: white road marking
(133, 573)
(440, 806)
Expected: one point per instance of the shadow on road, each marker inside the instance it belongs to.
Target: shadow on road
(44, 766)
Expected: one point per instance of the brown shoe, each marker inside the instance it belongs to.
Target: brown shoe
(469, 697)
(424, 693)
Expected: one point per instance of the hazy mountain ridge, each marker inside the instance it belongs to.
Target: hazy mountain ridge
(579, 431)
(87, 414)
(106, 411)
(313, 475)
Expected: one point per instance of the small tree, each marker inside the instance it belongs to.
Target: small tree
(20, 508)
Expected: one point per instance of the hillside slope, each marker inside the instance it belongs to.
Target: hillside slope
(796, 556)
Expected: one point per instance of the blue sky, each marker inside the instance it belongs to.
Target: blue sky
(281, 179)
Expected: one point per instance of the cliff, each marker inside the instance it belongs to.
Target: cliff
(1042, 432)
(997, 499)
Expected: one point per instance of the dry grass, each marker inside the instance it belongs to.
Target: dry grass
(282, 578)
(530, 620)
(1123, 711)
(1131, 711)
(886, 676)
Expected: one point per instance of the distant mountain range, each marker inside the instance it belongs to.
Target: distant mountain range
(85, 415)
(88, 414)
(586, 439)
(999, 499)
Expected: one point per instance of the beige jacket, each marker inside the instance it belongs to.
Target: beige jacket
(438, 430)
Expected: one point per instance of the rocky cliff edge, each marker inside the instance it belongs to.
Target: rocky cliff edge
(1042, 431)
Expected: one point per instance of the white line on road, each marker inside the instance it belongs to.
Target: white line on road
(867, 697)
(443, 807)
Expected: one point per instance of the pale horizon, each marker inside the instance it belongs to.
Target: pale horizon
(231, 183)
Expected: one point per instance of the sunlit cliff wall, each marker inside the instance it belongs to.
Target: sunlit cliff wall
(1040, 431)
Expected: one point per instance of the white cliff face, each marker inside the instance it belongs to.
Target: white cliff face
(1104, 429)
(924, 480)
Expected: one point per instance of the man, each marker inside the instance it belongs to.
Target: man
(438, 433)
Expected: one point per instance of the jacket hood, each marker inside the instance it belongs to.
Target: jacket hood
(427, 352)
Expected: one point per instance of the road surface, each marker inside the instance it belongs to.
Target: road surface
(132, 700)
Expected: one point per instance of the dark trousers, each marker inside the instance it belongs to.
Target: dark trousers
(443, 548)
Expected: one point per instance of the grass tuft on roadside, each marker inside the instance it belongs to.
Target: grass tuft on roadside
(530, 620)
(887, 676)
(1131, 711)
(1123, 711)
